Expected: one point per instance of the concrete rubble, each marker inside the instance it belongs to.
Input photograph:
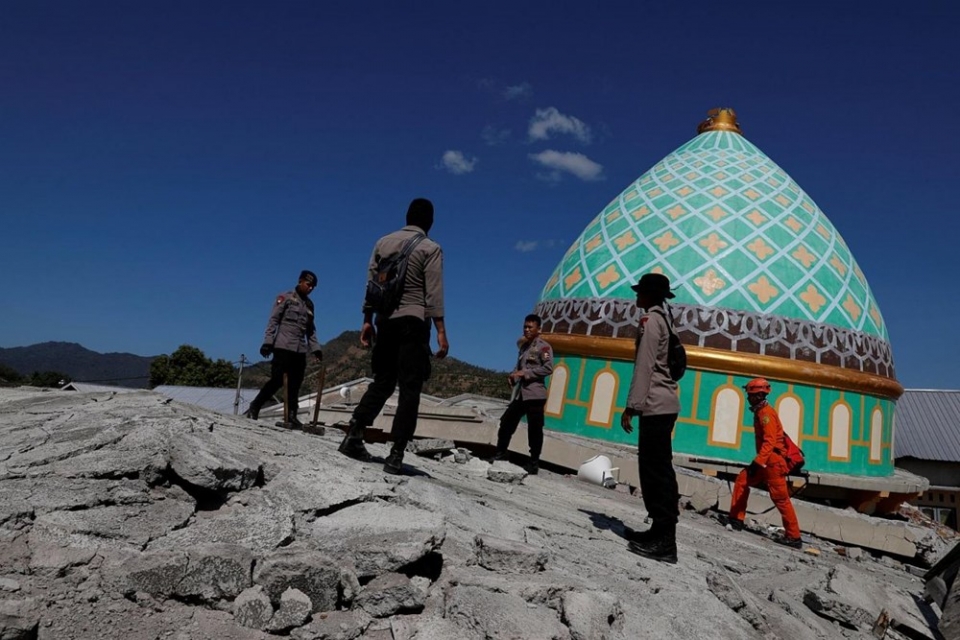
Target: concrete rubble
(129, 516)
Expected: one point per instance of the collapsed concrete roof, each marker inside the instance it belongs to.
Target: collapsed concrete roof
(135, 516)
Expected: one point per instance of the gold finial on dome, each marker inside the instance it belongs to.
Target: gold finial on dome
(720, 119)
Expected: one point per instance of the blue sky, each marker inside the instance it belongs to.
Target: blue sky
(166, 168)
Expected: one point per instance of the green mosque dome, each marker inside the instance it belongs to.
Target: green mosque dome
(731, 229)
(765, 286)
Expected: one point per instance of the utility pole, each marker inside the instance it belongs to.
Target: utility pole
(236, 401)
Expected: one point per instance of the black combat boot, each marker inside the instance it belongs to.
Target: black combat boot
(352, 445)
(253, 412)
(499, 455)
(394, 461)
(640, 537)
(662, 547)
(532, 467)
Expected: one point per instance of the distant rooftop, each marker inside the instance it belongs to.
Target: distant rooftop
(928, 425)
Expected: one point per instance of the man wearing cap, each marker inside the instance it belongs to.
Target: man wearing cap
(401, 337)
(291, 333)
(653, 399)
(768, 467)
(534, 364)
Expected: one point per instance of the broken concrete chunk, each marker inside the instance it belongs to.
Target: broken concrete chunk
(310, 572)
(294, 611)
(388, 594)
(252, 608)
(430, 446)
(592, 615)
(505, 473)
(508, 556)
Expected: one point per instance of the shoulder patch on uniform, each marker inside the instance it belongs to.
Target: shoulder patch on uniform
(280, 299)
(644, 319)
(545, 353)
(765, 420)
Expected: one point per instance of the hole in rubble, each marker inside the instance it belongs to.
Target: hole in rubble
(429, 566)
(260, 481)
(207, 499)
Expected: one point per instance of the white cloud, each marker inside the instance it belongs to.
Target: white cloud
(526, 246)
(520, 91)
(575, 163)
(549, 120)
(494, 136)
(456, 163)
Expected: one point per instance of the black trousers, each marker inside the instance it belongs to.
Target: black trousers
(284, 362)
(401, 355)
(658, 480)
(518, 408)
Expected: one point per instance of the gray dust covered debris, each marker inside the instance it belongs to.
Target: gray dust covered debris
(130, 517)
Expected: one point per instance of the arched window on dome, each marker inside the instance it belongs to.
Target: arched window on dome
(840, 424)
(893, 436)
(557, 391)
(602, 397)
(790, 411)
(876, 435)
(727, 413)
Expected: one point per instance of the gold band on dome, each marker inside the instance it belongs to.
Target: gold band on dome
(731, 362)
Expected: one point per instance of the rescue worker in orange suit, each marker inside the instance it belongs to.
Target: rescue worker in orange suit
(534, 364)
(291, 333)
(768, 467)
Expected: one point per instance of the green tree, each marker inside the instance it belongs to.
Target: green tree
(9, 374)
(51, 379)
(189, 367)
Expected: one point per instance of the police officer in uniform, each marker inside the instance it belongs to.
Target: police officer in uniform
(653, 399)
(534, 364)
(290, 334)
(401, 339)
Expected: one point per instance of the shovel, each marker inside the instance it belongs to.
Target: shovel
(315, 427)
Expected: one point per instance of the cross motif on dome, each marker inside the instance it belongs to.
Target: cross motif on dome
(838, 264)
(794, 224)
(760, 248)
(641, 212)
(805, 257)
(625, 240)
(852, 307)
(710, 282)
(717, 213)
(666, 241)
(713, 243)
(676, 211)
(756, 217)
(763, 290)
(572, 279)
(813, 298)
(608, 277)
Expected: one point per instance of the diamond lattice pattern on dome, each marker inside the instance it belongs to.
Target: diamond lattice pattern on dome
(731, 229)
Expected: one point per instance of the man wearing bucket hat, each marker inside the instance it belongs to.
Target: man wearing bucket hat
(653, 399)
(291, 333)
(768, 467)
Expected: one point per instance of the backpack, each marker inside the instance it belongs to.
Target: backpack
(385, 286)
(793, 455)
(676, 354)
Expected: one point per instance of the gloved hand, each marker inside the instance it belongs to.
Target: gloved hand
(754, 468)
(318, 354)
(266, 349)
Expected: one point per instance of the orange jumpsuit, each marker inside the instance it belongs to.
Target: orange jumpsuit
(768, 432)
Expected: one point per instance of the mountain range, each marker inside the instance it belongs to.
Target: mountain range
(344, 360)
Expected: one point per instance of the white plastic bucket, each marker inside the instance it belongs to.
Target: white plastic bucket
(597, 470)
